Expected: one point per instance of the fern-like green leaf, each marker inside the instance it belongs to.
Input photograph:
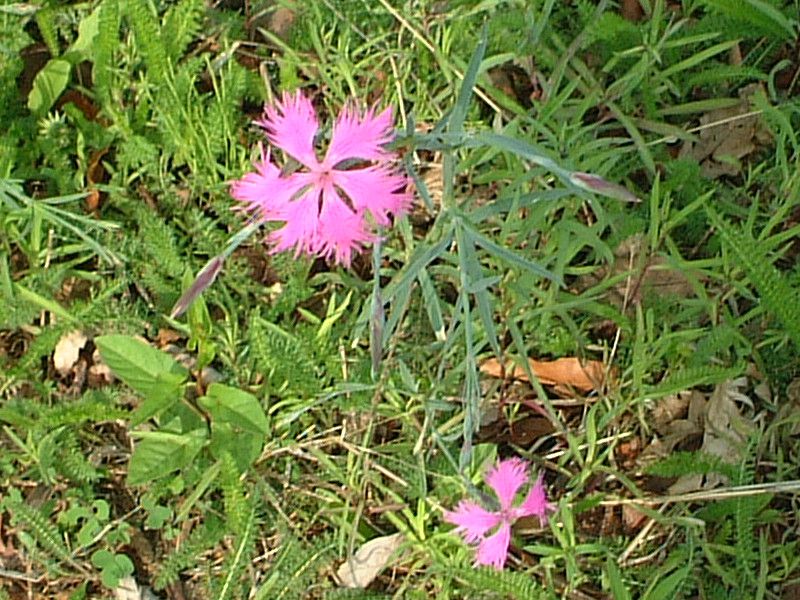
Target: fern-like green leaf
(41, 529)
(241, 556)
(777, 296)
(502, 584)
(148, 39)
(182, 24)
(679, 464)
(105, 44)
(282, 357)
(236, 505)
(204, 537)
(692, 377)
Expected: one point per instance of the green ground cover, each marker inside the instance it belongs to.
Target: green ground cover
(598, 275)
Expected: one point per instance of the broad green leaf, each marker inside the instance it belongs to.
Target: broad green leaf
(113, 567)
(244, 446)
(48, 85)
(158, 453)
(235, 407)
(87, 31)
(150, 372)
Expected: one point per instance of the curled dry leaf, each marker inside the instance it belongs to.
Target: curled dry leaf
(647, 274)
(99, 373)
(718, 419)
(730, 134)
(583, 376)
(360, 569)
(68, 350)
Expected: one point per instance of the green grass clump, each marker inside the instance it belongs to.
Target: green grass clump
(588, 184)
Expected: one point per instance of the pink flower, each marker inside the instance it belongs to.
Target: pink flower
(324, 206)
(475, 522)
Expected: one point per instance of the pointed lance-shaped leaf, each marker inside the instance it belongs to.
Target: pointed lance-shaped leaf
(203, 280)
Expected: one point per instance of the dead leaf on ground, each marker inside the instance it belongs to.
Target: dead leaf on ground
(718, 419)
(632, 517)
(67, 351)
(648, 275)
(789, 410)
(128, 589)
(99, 373)
(725, 433)
(570, 371)
(631, 10)
(728, 135)
(364, 566)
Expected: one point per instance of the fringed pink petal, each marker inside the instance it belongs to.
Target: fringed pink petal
(301, 218)
(506, 479)
(291, 125)
(535, 503)
(359, 136)
(341, 231)
(473, 520)
(377, 189)
(265, 191)
(493, 550)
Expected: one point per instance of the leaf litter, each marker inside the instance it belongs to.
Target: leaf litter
(715, 421)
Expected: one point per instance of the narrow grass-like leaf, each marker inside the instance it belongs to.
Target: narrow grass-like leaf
(504, 254)
(687, 379)
(698, 58)
(432, 304)
(459, 112)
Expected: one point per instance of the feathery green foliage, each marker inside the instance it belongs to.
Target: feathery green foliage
(201, 539)
(38, 526)
(105, 45)
(285, 359)
(775, 294)
(502, 584)
(229, 585)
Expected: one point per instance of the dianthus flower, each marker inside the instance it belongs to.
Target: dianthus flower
(324, 205)
(475, 522)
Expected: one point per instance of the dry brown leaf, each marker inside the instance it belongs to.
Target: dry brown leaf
(685, 428)
(360, 569)
(725, 433)
(583, 376)
(789, 411)
(631, 10)
(728, 135)
(99, 373)
(668, 409)
(648, 275)
(68, 350)
(632, 517)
